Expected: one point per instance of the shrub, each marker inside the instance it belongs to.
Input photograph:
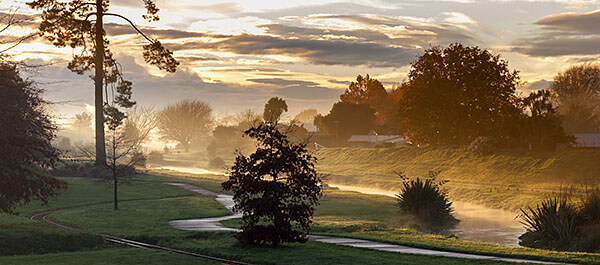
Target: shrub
(216, 163)
(155, 157)
(590, 209)
(138, 159)
(426, 201)
(482, 145)
(81, 170)
(553, 224)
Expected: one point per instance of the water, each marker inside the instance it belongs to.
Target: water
(477, 222)
(191, 170)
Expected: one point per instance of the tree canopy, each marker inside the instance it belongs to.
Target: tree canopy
(346, 119)
(25, 138)
(306, 116)
(185, 121)
(273, 109)
(456, 94)
(578, 93)
(276, 188)
(367, 90)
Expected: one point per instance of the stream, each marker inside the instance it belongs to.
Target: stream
(477, 222)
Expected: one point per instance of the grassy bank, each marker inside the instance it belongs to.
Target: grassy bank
(151, 204)
(506, 179)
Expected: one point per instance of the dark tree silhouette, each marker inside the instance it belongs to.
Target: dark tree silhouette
(456, 94)
(578, 93)
(69, 24)
(367, 90)
(273, 109)
(346, 119)
(276, 188)
(185, 121)
(25, 138)
(541, 126)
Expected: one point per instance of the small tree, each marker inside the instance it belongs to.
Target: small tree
(306, 116)
(346, 119)
(276, 188)
(185, 121)
(25, 138)
(367, 90)
(541, 125)
(273, 109)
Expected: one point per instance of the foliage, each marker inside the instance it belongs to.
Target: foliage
(456, 94)
(578, 93)
(541, 126)
(276, 188)
(306, 116)
(590, 208)
(367, 90)
(185, 121)
(346, 119)
(26, 143)
(482, 145)
(225, 134)
(552, 224)
(80, 170)
(426, 201)
(155, 157)
(273, 109)
(247, 119)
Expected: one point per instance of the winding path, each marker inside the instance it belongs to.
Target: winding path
(214, 224)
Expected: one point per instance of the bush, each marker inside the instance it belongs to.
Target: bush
(33, 239)
(81, 170)
(138, 159)
(156, 157)
(427, 202)
(590, 209)
(216, 163)
(482, 145)
(552, 224)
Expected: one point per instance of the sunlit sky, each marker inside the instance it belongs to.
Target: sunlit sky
(237, 54)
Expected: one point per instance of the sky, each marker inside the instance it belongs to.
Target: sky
(237, 54)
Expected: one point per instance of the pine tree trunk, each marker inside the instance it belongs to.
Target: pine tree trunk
(99, 100)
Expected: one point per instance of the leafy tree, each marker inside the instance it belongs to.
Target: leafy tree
(25, 138)
(456, 94)
(346, 119)
(273, 109)
(578, 94)
(185, 121)
(276, 188)
(542, 124)
(69, 24)
(367, 90)
(224, 134)
(306, 116)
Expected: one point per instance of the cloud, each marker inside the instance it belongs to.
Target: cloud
(309, 92)
(562, 35)
(536, 85)
(282, 82)
(314, 51)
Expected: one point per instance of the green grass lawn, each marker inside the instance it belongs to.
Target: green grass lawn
(505, 179)
(151, 204)
(116, 256)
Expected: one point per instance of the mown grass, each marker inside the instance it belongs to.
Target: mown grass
(116, 256)
(505, 179)
(343, 213)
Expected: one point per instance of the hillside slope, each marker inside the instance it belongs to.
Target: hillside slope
(506, 179)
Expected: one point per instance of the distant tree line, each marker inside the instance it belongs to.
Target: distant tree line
(456, 94)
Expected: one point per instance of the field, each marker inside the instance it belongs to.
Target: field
(506, 179)
(148, 204)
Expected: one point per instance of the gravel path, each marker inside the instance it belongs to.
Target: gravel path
(214, 224)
